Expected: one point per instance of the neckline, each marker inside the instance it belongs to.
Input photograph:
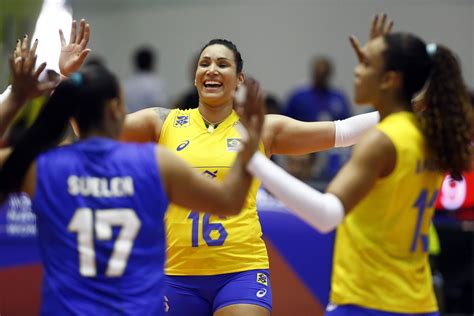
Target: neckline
(211, 127)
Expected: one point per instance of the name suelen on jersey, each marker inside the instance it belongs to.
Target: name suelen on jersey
(100, 187)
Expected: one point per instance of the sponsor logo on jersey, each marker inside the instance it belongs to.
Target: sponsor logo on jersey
(233, 144)
(181, 121)
(262, 278)
(182, 145)
(261, 293)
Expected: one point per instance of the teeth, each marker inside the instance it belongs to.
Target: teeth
(212, 83)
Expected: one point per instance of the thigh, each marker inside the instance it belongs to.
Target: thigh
(243, 310)
(246, 293)
(182, 299)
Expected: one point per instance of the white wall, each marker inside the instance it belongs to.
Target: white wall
(277, 38)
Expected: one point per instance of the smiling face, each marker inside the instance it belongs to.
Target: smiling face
(369, 73)
(216, 77)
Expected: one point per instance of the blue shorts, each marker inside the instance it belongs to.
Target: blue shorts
(203, 295)
(353, 310)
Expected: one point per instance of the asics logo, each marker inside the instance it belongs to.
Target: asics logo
(261, 293)
(182, 145)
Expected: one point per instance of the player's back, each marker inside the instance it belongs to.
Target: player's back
(100, 207)
(381, 258)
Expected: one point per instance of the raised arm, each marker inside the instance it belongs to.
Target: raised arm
(25, 83)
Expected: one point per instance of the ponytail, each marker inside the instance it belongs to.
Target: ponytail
(448, 119)
(46, 132)
(433, 71)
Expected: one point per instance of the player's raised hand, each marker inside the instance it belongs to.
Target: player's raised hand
(24, 77)
(75, 52)
(379, 26)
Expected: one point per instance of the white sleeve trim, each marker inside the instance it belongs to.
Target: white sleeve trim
(323, 211)
(349, 131)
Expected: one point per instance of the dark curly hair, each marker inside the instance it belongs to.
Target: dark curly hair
(447, 122)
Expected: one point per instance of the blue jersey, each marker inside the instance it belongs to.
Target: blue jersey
(100, 207)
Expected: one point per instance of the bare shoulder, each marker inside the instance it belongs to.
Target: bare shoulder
(375, 141)
(144, 125)
(161, 112)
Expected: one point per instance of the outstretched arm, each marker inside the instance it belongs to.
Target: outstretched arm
(284, 135)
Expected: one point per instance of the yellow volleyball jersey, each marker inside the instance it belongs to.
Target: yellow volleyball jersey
(201, 244)
(381, 251)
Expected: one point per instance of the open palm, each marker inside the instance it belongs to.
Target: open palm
(75, 52)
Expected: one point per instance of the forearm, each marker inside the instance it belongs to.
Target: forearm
(323, 211)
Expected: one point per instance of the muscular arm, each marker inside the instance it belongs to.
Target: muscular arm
(187, 188)
(144, 126)
(283, 135)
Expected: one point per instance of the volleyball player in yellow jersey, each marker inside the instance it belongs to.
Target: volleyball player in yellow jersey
(219, 266)
(388, 188)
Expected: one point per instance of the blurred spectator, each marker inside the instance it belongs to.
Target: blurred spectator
(304, 167)
(272, 104)
(95, 60)
(145, 88)
(319, 101)
(190, 99)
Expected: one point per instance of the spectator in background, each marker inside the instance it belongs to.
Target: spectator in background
(95, 60)
(321, 102)
(145, 88)
(272, 104)
(190, 99)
